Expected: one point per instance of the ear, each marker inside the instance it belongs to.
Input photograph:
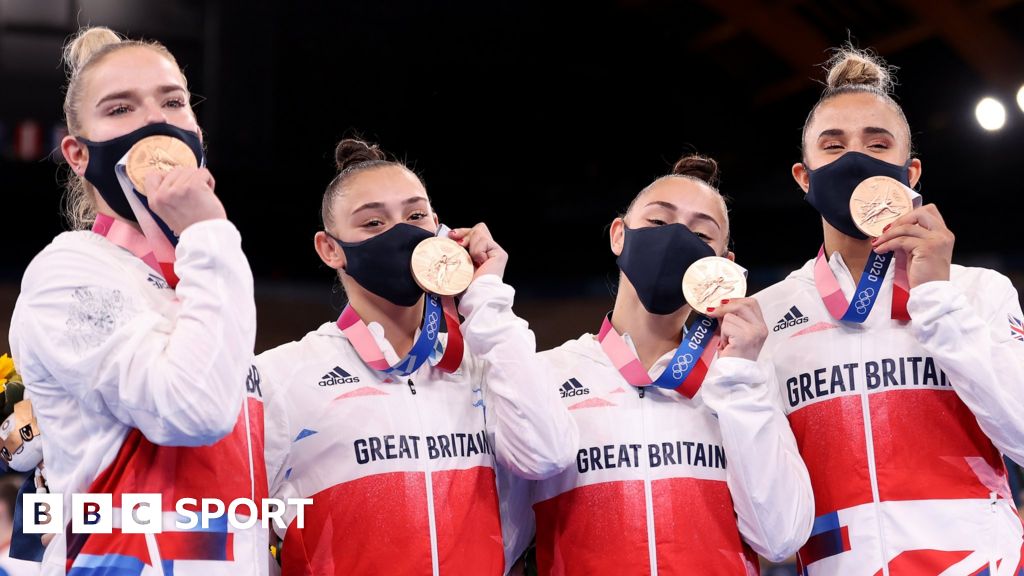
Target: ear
(75, 153)
(617, 235)
(802, 176)
(914, 171)
(437, 221)
(329, 250)
(731, 256)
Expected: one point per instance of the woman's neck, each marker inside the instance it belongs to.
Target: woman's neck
(399, 322)
(106, 210)
(653, 335)
(855, 252)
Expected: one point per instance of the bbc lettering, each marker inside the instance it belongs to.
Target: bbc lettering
(144, 513)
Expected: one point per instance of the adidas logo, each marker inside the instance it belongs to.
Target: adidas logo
(572, 387)
(792, 318)
(337, 376)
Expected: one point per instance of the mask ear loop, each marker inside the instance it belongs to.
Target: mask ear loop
(338, 298)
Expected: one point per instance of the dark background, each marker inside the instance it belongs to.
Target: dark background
(542, 119)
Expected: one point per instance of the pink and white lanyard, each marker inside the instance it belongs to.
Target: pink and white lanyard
(427, 345)
(868, 288)
(686, 370)
(127, 237)
(153, 246)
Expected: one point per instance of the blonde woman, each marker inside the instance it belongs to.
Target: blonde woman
(134, 330)
(903, 381)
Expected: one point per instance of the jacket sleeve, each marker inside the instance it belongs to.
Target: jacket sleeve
(767, 478)
(275, 368)
(978, 346)
(535, 436)
(277, 435)
(179, 380)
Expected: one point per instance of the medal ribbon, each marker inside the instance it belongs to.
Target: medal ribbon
(868, 288)
(126, 236)
(153, 246)
(451, 357)
(685, 371)
(427, 345)
(870, 283)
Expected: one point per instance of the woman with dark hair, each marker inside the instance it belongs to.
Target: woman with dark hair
(686, 463)
(400, 442)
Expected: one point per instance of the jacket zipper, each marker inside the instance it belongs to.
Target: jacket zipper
(869, 445)
(652, 548)
(430, 490)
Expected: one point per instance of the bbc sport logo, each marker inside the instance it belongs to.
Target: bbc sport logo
(144, 513)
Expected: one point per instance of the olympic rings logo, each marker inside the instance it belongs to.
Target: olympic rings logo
(432, 325)
(863, 302)
(681, 365)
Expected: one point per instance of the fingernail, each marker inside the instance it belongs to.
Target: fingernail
(711, 309)
(887, 226)
(726, 301)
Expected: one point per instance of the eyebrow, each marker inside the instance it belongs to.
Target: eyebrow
(663, 204)
(379, 205)
(831, 132)
(867, 130)
(128, 94)
(674, 208)
(876, 130)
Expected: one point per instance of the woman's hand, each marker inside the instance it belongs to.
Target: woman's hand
(488, 257)
(183, 197)
(923, 236)
(743, 330)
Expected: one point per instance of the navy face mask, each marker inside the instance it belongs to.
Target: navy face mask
(383, 264)
(655, 259)
(831, 187)
(103, 157)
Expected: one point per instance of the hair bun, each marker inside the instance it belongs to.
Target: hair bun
(696, 166)
(84, 44)
(852, 67)
(352, 151)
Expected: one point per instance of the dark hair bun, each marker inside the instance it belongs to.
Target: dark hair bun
(351, 152)
(699, 167)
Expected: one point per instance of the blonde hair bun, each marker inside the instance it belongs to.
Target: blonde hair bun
(84, 45)
(852, 67)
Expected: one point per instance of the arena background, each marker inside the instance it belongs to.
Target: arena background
(542, 119)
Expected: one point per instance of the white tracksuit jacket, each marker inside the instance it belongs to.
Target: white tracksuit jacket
(902, 425)
(138, 388)
(402, 470)
(663, 484)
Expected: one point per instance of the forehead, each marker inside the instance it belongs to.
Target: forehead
(134, 68)
(687, 195)
(853, 112)
(381, 184)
